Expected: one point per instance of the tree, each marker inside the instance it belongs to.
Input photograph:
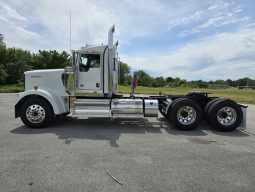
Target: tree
(182, 83)
(16, 62)
(169, 80)
(50, 60)
(124, 73)
(220, 81)
(159, 82)
(3, 75)
(2, 54)
(230, 82)
(244, 81)
(2, 39)
(144, 79)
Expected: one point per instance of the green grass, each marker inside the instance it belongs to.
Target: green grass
(238, 95)
(11, 88)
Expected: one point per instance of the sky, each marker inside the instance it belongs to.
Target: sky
(190, 39)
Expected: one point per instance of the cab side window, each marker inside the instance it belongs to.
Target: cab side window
(88, 61)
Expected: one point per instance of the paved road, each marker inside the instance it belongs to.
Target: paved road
(146, 155)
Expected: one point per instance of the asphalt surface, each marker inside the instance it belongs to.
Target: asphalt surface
(143, 154)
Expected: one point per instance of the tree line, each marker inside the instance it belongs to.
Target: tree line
(144, 79)
(15, 61)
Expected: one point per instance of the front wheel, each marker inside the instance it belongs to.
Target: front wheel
(186, 114)
(36, 113)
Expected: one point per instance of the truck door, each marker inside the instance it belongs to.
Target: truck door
(89, 77)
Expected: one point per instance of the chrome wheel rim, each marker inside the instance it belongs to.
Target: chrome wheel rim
(226, 116)
(35, 113)
(186, 115)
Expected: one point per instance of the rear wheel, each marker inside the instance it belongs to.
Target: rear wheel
(206, 109)
(225, 115)
(185, 114)
(36, 113)
(171, 106)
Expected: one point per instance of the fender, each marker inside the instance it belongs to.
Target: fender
(55, 100)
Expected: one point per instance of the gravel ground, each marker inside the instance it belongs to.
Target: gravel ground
(143, 154)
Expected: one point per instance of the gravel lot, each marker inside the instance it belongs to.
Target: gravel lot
(143, 154)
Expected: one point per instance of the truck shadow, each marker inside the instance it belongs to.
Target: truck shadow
(68, 129)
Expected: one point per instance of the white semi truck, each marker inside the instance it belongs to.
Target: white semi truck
(89, 88)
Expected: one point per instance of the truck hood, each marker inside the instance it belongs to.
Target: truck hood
(45, 71)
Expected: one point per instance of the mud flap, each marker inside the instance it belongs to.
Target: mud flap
(242, 126)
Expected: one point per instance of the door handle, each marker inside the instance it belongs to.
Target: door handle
(97, 84)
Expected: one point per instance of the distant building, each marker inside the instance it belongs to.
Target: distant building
(246, 87)
(218, 86)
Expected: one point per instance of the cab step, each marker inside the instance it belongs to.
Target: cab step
(92, 107)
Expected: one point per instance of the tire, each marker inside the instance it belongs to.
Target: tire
(208, 105)
(171, 106)
(169, 109)
(185, 114)
(225, 115)
(36, 113)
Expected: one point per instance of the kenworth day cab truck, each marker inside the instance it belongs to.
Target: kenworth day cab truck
(88, 88)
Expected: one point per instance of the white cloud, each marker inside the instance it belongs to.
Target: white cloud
(222, 20)
(91, 20)
(198, 15)
(134, 19)
(14, 27)
(225, 55)
(7, 11)
(217, 15)
(89, 24)
(3, 19)
(218, 21)
(45, 25)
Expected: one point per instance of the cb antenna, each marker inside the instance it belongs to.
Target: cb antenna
(70, 15)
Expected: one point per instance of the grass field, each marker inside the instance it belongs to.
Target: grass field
(11, 88)
(238, 95)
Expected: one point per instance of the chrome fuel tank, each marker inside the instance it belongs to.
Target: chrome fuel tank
(127, 106)
(150, 108)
